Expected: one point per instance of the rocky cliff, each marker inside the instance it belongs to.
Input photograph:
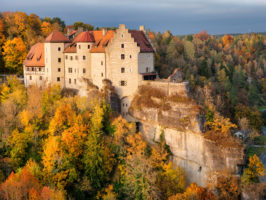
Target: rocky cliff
(178, 117)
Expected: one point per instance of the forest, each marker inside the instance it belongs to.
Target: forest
(59, 146)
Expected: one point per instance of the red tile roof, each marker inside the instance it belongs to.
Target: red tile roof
(35, 57)
(142, 41)
(101, 41)
(72, 33)
(71, 48)
(56, 37)
(86, 36)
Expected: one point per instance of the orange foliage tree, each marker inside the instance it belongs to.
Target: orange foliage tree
(227, 40)
(20, 186)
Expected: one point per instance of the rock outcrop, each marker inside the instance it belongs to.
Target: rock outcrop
(178, 118)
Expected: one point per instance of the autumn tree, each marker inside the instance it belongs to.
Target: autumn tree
(254, 171)
(227, 40)
(98, 159)
(20, 186)
(228, 186)
(14, 53)
(139, 173)
(194, 192)
(46, 28)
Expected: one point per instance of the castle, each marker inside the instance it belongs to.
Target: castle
(125, 57)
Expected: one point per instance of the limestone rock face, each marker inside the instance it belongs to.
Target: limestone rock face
(181, 123)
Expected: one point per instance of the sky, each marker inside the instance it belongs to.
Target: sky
(178, 16)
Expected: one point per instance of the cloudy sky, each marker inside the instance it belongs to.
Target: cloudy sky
(178, 16)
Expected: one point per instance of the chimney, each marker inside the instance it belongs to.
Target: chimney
(104, 31)
(141, 28)
(122, 26)
(80, 29)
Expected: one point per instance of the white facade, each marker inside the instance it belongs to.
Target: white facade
(122, 61)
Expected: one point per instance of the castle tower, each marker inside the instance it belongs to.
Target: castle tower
(54, 46)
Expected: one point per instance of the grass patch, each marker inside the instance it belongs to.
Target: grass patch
(255, 150)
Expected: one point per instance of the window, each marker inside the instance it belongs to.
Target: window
(122, 35)
(30, 78)
(101, 62)
(79, 47)
(71, 57)
(40, 78)
(59, 69)
(84, 70)
(76, 57)
(84, 57)
(59, 60)
(102, 74)
(32, 69)
(59, 49)
(122, 46)
(122, 56)
(69, 70)
(66, 57)
(58, 79)
(75, 81)
(130, 56)
(75, 70)
(40, 69)
(123, 83)
(69, 80)
(122, 70)
(147, 69)
(89, 46)
(28, 69)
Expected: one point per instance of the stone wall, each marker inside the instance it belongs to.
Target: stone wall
(169, 88)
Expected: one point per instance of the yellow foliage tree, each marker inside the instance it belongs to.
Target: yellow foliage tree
(194, 192)
(15, 52)
(254, 171)
(63, 119)
(46, 28)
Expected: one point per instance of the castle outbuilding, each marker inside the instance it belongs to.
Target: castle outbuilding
(125, 57)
